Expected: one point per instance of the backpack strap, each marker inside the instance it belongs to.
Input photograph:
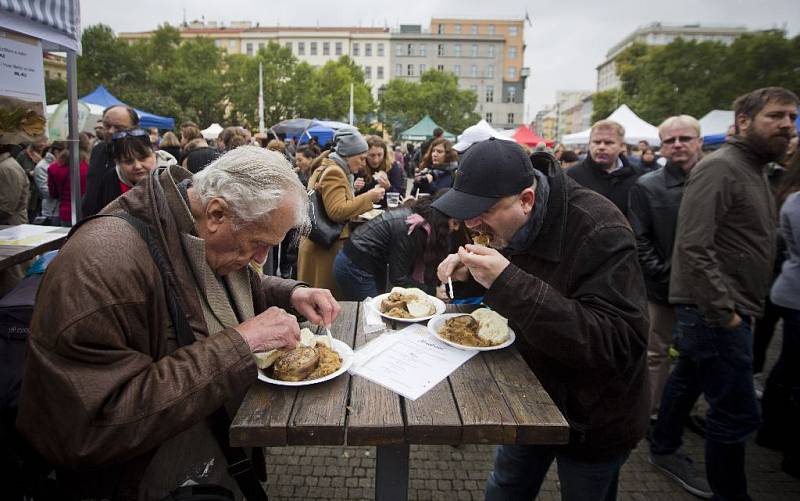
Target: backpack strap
(240, 466)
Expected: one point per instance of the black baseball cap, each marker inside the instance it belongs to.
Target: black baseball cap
(488, 171)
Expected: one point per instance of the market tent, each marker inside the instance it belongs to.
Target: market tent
(481, 131)
(714, 126)
(57, 122)
(422, 131)
(100, 96)
(523, 135)
(212, 131)
(636, 129)
(295, 127)
(323, 134)
(56, 22)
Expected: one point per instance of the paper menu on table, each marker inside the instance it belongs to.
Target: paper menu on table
(409, 362)
(28, 234)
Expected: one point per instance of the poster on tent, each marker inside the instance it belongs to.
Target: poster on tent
(22, 99)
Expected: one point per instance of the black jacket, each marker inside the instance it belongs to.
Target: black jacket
(385, 239)
(613, 186)
(100, 163)
(653, 213)
(577, 303)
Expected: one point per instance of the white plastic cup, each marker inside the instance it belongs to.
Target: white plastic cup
(392, 200)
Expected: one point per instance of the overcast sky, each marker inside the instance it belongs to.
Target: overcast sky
(567, 41)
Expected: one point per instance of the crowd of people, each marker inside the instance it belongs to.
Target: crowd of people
(635, 282)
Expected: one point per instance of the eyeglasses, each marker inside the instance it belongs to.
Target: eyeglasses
(682, 139)
(129, 133)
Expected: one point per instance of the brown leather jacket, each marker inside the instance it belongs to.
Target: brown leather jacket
(576, 300)
(105, 384)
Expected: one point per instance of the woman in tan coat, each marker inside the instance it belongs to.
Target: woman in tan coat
(333, 179)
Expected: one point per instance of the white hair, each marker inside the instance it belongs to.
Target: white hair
(253, 182)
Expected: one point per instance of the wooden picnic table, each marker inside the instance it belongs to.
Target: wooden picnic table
(11, 255)
(494, 398)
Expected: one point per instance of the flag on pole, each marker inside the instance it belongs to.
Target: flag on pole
(260, 100)
(528, 18)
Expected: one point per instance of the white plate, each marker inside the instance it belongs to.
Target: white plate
(342, 349)
(435, 323)
(375, 304)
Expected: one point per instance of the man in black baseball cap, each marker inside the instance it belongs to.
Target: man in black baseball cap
(563, 269)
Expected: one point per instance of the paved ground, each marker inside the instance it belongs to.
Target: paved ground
(459, 473)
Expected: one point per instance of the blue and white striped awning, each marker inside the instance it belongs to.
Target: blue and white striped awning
(56, 22)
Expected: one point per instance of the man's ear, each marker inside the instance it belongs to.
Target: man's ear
(216, 213)
(742, 123)
(527, 198)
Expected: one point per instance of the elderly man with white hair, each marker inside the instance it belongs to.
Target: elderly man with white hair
(146, 324)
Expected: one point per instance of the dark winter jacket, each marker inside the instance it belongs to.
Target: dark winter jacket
(383, 240)
(725, 241)
(614, 186)
(576, 300)
(653, 212)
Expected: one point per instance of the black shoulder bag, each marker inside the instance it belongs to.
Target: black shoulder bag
(324, 231)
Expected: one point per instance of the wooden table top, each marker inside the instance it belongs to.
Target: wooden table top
(494, 398)
(11, 255)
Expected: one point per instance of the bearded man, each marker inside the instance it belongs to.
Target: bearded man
(721, 272)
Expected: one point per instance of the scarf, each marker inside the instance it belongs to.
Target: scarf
(415, 221)
(524, 238)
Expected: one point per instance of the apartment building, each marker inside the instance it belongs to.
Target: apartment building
(486, 55)
(661, 34)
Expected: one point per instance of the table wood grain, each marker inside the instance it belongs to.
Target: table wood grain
(493, 398)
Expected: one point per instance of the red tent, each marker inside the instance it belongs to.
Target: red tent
(525, 136)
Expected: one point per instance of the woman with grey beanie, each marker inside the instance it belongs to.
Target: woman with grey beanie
(333, 180)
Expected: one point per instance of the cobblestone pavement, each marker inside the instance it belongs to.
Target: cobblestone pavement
(459, 473)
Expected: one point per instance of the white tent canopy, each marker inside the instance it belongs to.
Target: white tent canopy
(636, 129)
(481, 131)
(212, 131)
(716, 122)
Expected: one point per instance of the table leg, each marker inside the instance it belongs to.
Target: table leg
(391, 473)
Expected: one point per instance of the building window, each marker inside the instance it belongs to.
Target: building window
(489, 117)
(288, 45)
(457, 70)
(368, 72)
(457, 28)
(512, 31)
(398, 70)
(313, 49)
(423, 50)
(422, 68)
(491, 29)
(368, 50)
(380, 72)
(301, 48)
(249, 49)
(410, 49)
(510, 118)
(490, 71)
(356, 49)
(457, 50)
(490, 93)
(260, 45)
(398, 50)
(474, 29)
(380, 50)
(410, 70)
(440, 29)
(439, 67)
(338, 48)
(512, 72)
(490, 51)
(440, 50)
(474, 50)
(326, 48)
(474, 88)
(512, 52)
(232, 44)
(473, 71)
(512, 94)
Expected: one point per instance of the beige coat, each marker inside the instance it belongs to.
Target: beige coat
(314, 262)
(14, 190)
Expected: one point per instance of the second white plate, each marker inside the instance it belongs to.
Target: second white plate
(436, 323)
(437, 303)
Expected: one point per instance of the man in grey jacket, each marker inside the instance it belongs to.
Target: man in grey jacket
(721, 270)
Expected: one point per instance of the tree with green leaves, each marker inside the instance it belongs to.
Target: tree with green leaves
(437, 94)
